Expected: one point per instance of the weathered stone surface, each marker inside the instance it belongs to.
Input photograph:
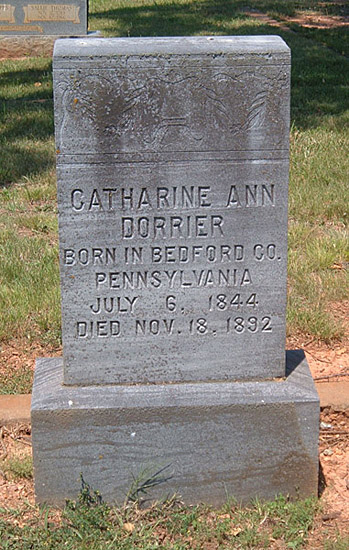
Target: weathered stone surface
(20, 46)
(172, 163)
(244, 439)
(45, 17)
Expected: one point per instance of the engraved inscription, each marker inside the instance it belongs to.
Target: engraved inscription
(251, 324)
(172, 173)
(51, 12)
(109, 199)
(160, 198)
(197, 253)
(154, 326)
(201, 257)
(175, 278)
(253, 196)
(223, 302)
(114, 305)
(173, 227)
(99, 329)
(7, 13)
(90, 256)
(232, 267)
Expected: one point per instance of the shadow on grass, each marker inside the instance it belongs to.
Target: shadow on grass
(26, 123)
(319, 75)
(18, 162)
(24, 77)
(171, 18)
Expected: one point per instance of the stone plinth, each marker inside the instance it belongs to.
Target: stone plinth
(35, 46)
(243, 439)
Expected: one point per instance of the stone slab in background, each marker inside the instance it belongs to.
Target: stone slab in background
(172, 167)
(35, 46)
(15, 409)
(334, 394)
(43, 17)
(244, 439)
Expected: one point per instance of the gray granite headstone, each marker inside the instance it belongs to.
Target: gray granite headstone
(172, 163)
(43, 17)
(172, 166)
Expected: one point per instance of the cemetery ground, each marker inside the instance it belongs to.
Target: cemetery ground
(280, 524)
(318, 302)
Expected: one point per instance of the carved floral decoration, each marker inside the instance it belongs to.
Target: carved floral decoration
(167, 111)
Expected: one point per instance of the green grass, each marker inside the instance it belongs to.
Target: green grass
(185, 17)
(26, 122)
(340, 543)
(318, 236)
(29, 281)
(319, 190)
(18, 468)
(29, 295)
(88, 523)
(16, 381)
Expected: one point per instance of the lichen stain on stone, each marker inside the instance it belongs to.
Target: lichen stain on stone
(291, 472)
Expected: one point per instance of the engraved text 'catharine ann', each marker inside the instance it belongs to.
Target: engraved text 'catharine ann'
(169, 198)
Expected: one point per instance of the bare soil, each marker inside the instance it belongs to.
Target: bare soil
(309, 19)
(327, 361)
(18, 357)
(333, 479)
(315, 20)
(14, 442)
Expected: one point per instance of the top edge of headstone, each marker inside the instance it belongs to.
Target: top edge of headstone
(97, 48)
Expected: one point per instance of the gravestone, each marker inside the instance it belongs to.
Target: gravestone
(172, 175)
(172, 168)
(53, 17)
(31, 28)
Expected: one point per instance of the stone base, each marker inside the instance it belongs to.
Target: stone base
(242, 439)
(13, 46)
